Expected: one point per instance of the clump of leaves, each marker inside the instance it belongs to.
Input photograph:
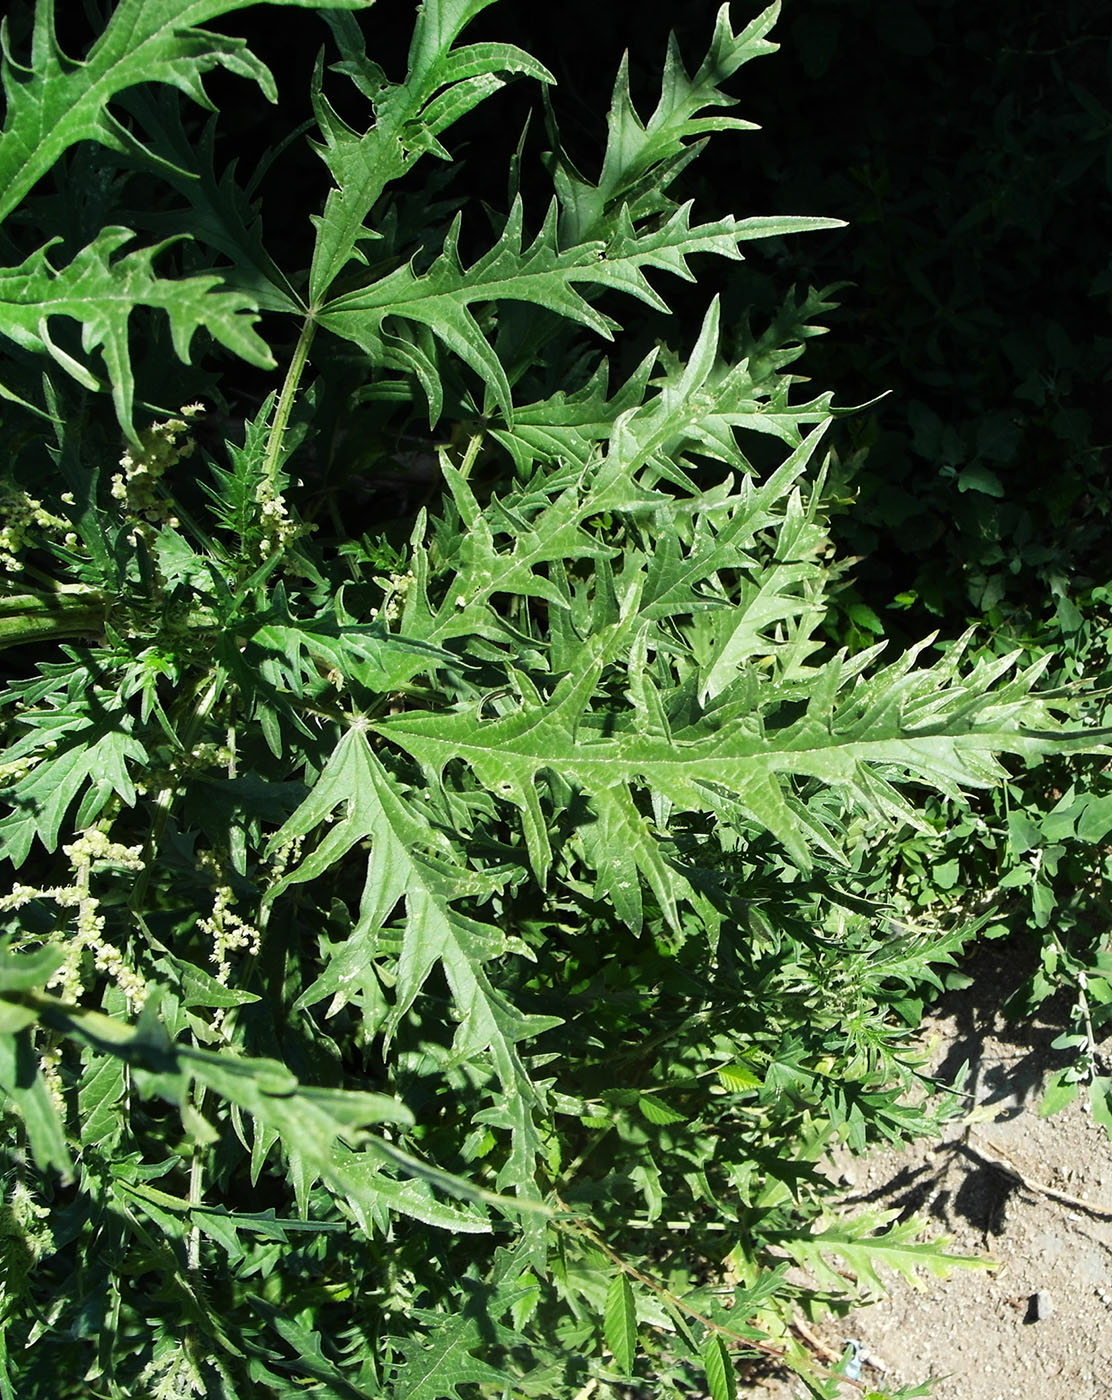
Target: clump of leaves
(434, 967)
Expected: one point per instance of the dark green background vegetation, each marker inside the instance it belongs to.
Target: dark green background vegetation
(970, 152)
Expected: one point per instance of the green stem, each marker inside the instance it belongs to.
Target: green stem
(286, 400)
(474, 443)
(34, 617)
(196, 1175)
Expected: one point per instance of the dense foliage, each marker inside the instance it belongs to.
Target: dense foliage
(439, 954)
(977, 242)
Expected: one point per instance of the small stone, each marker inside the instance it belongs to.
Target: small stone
(1042, 1305)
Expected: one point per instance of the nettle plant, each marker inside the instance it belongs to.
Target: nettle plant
(432, 967)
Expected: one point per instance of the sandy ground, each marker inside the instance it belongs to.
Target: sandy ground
(1033, 1194)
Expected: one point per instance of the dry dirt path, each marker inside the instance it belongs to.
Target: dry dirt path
(1032, 1193)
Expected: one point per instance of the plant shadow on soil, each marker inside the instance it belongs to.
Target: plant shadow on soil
(1030, 1195)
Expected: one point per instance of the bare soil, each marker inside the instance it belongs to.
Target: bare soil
(1032, 1194)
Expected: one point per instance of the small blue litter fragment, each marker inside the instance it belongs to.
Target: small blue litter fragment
(852, 1371)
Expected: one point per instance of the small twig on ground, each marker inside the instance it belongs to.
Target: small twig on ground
(1003, 1163)
(816, 1344)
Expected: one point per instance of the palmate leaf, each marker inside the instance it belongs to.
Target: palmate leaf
(101, 292)
(936, 726)
(441, 1360)
(767, 598)
(621, 847)
(700, 405)
(630, 202)
(752, 765)
(89, 759)
(642, 158)
(410, 860)
(484, 571)
(548, 526)
(53, 102)
(750, 394)
(296, 651)
(441, 84)
(102, 1088)
(311, 1360)
(311, 1137)
(567, 427)
(720, 531)
(542, 274)
(784, 339)
(870, 1242)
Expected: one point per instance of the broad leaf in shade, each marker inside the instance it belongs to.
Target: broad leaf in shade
(53, 102)
(101, 291)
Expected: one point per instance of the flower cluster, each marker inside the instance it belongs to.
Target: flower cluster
(25, 1236)
(395, 586)
(92, 848)
(229, 932)
(277, 529)
(21, 518)
(180, 763)
(142, 467)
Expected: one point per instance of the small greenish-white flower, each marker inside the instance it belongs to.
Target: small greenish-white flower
(94, 845)
(142, 468)
(230, 933)
(22, 520)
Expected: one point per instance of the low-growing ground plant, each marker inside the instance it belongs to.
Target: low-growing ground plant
(436, 958)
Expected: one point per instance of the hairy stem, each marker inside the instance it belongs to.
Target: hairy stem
(36, 617)
(286, 400)
(196, 1190)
